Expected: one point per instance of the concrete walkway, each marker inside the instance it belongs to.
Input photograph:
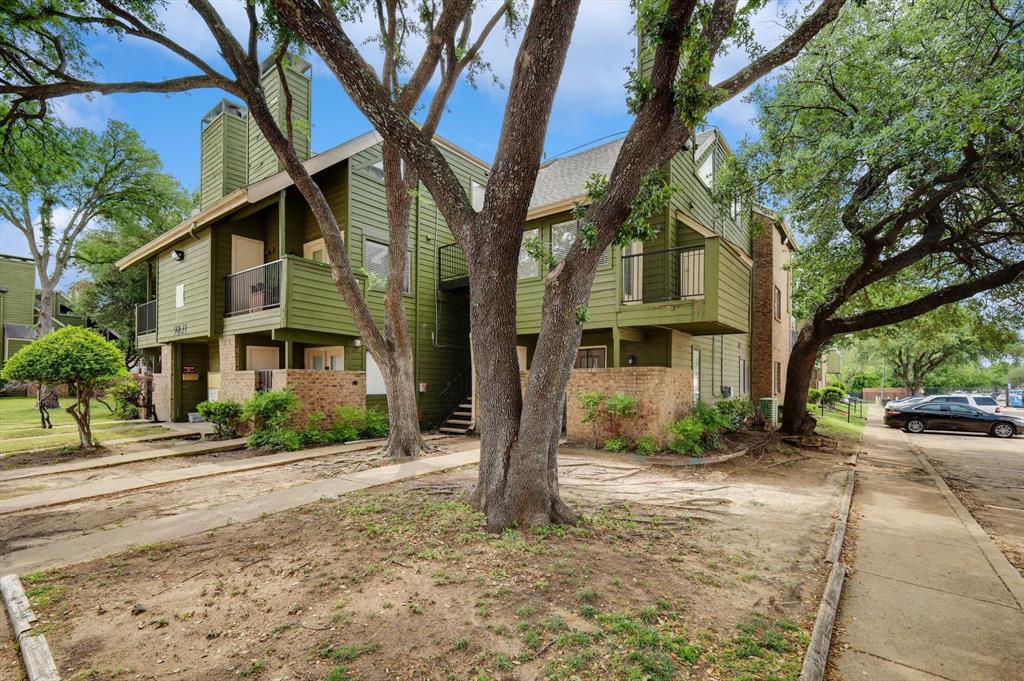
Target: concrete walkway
(194, 449)
(930, 596)
(169, 528)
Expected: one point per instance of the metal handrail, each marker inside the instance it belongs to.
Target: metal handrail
(663, 274)
(253, 289)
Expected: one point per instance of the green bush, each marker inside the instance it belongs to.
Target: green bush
(814, 395)
(126, 394)
(225, 416)
(616, 444)
(687, 436)
(367, 423)
(270, 412)
(832, 395)
(376, 423)
(735, 411)
(645, 445)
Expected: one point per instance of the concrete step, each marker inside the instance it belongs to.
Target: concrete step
(461, 414)
(458, 422)
(454, 431)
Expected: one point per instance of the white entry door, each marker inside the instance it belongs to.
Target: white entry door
(262, 357)
(245, 253)
(329, 358)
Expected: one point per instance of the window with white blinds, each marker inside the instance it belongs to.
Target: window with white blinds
(706, 170)
(528, 267)
(377, 265)
(562, 237)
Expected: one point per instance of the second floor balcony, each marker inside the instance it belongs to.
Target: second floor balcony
(253, 290)
(663, 275)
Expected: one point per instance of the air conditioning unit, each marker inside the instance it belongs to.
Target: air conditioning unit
(726, 391)
(769, 408)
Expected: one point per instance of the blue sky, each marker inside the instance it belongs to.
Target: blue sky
(588, 106)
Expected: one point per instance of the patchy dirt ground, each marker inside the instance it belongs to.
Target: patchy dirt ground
(29, 528)
(68, 454)
(710, 573)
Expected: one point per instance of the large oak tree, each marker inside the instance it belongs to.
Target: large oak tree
(679, 41)
(896, 146)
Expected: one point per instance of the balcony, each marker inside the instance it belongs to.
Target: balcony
(253, 290)
(145, 324)
(294, 298)
(663, 275)
(452, 272)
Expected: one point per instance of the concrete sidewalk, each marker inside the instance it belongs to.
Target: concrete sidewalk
(930, 595)
(168, 528)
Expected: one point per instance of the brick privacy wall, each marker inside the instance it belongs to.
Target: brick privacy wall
(322, 391)
(769, 337)
(894, 393)
(163, 392)
(665, 395)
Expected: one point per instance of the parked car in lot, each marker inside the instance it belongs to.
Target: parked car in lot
(982, 402)
(935, 415)
(907, 401)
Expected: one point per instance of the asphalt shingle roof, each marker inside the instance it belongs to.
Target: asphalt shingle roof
(566, 178)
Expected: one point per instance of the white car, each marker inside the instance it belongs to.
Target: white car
(982, 402)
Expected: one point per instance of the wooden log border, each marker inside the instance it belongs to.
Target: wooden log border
(816, 657)
(35, 653)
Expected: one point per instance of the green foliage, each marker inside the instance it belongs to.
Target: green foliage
(127, 395)
(367, 423)
(621, 405)
(645, 445)
(591, 404)
(831, 396)
(814, 395)
(225, 416)
(616, 444)
(703, 429)
(71, 355)
(687, 436)
(270, 412)
(735, 411)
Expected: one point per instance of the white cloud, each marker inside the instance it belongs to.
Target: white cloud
(83, 111)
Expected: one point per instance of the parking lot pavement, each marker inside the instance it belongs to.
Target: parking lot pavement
(987, 474)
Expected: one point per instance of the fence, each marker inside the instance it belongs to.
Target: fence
(667, 274)
(257, 288)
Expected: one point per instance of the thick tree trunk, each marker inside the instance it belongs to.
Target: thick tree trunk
(79, 411)
(47, 393)
(795, 419)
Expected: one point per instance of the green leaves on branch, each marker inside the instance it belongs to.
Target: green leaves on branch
(71, 355)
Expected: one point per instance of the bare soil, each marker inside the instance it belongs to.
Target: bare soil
(68, 454)
(710, 573)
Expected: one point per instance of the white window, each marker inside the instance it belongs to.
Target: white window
(562, 237)
(330, 358)
(377, 265)
(179, 295)
(706, 170)
(476, 194)
(528, 267)
(633, 272)
(737, 207)
(374, 378)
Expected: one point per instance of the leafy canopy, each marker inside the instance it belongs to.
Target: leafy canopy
(73, 355)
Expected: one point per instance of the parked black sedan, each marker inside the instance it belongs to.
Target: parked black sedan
(918, 418)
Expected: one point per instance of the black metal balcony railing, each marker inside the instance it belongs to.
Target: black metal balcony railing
(145, 318)
(667, 274)
(452, 271)
(257, 288)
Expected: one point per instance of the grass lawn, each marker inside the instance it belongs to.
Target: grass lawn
(20, 431)
(834, 423)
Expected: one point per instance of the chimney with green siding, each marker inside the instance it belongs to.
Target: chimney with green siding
(223, 164)
(263, 162)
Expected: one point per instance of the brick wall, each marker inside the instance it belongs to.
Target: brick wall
(665, 395)
(322, 391)
(769, 336)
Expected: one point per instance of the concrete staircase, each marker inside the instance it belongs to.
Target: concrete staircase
(460, 422)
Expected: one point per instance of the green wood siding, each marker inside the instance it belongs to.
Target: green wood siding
(191, 320)
(223, 149)
(691, 196)
(18, 277)
(263, 161)
(719, 358)
(311, 301)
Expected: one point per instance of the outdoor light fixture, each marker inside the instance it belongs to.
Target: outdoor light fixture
(178, 255)
(358, 342)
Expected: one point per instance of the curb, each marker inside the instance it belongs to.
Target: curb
(816, 657)
(35, 653)
(1007, 574)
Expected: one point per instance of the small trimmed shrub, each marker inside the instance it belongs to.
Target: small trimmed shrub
(832, 395)
(616, 444)
(687, 436)
(736, 412)
(367, 423)
(645, 445)
(127, 395)
(814, 395)
(225, 417)
(269, 412)
(376, 423)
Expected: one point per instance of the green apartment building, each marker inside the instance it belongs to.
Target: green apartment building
(17, 304)
(242, 300)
